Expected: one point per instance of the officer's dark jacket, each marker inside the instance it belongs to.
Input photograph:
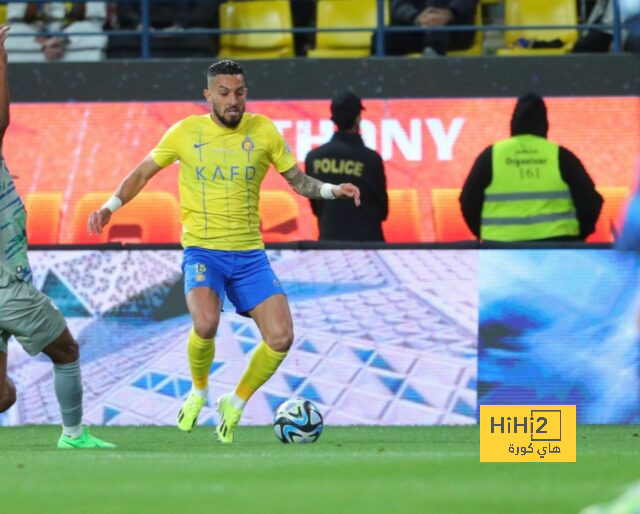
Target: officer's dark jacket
(346, 159)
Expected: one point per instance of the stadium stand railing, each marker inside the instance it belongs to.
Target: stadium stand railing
(263, 28)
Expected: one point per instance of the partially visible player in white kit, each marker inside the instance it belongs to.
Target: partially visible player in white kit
(25, 312)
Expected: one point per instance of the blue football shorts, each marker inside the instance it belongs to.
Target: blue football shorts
(245, 276)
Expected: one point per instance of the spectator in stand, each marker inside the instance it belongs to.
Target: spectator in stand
(430, 13)
(527, 188)
(346, 159)
(599, 40)
(42, 19)
(168, 16)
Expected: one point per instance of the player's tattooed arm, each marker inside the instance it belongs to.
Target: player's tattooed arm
(302, 183)
(312, 188)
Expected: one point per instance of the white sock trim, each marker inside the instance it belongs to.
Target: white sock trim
(236, 401)
(202, 393)
(73, 432)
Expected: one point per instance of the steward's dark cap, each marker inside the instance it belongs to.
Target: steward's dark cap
(345, 107)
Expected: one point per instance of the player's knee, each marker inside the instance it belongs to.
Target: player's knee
(7, 396)
(73, 351)
(281, 339)
(69, 352)
(64, 350)
(206, 325)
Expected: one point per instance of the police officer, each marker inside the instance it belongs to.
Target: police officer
(346, 159)
(527, 188)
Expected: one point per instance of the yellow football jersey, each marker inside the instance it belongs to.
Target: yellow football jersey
(221, 170)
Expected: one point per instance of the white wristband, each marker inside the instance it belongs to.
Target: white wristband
(326, 191)
(113, 204)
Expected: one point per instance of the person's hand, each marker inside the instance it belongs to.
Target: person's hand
(4, 32)
(97, 221)
(434, 17)
(347, 191)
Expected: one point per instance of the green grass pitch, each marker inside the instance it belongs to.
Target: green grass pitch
(349, 470)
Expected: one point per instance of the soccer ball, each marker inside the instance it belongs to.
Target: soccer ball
(298, 421)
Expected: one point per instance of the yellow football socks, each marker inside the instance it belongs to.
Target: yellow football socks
(200, 353)
(263, 364)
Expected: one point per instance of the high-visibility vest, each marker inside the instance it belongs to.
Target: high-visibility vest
(527, 198)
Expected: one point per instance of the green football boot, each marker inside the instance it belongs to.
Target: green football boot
(86, 440)
(229, 419)
(189, 412)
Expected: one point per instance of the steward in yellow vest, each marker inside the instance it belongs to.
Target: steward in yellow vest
(527, 188)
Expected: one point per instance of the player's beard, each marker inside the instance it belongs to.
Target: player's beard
(229, 123)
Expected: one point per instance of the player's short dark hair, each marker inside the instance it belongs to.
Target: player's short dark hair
(225, 67)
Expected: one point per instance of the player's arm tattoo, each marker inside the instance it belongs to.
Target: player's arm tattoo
(302, 183)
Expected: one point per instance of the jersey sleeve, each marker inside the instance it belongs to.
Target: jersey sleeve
(280, 154)
(166, 151)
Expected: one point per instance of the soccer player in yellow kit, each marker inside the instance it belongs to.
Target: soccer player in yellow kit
(224, 156)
